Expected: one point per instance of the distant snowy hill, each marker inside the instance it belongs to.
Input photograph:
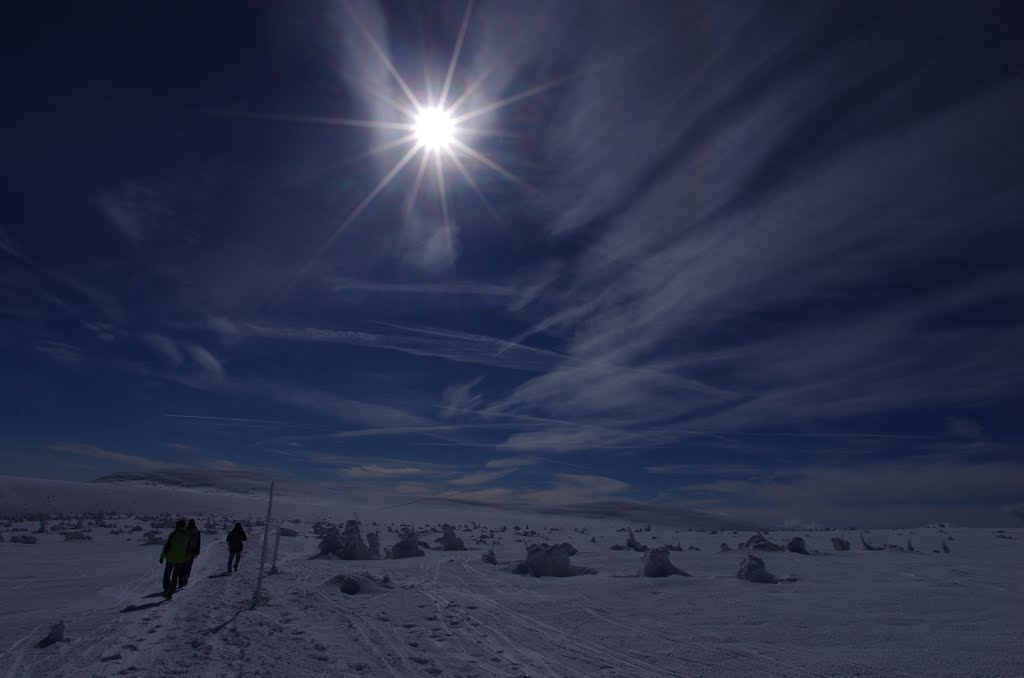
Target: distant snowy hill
(159, 492)
(185, 490)
(245, 482)
(632, 511)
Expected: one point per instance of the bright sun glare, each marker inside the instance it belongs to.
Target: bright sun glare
(434, 128)
(431, 132)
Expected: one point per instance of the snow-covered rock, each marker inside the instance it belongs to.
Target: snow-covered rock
(360, 583)
(56, 635)
(657, 563)
(752, 569)
(449, 540)
(408, 546)
(77, 536)
(760, 543)
(547, 561)
(797, 545)
(330, 544)
(867, 545)
(348, 545)
(633, 544)
(152, 539)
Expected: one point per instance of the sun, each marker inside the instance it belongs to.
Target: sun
(434, 128)
(437, 131)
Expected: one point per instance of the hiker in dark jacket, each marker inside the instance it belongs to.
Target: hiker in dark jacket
(236, 542)
(194, 540)
(175, 552)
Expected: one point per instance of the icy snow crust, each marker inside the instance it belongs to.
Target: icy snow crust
(855, 613)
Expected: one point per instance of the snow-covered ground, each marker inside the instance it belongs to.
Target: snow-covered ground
(855, 613)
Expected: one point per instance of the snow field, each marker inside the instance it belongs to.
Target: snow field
(857, 613)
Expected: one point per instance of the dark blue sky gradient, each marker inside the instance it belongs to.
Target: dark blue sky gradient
(758, 258)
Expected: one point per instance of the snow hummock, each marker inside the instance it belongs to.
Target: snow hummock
(657, 563)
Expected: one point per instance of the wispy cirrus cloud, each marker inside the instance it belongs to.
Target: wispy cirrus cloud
(719, 470)
(511, 462)
(166, 347)
(133, 209)
(9, 247)
(339, 407)
(480, 477)
(377, 472)
(60, 351)
(459, 399)
(206, 360)
(455, 288)
(94, 452)
(462, 347)
(756, 256)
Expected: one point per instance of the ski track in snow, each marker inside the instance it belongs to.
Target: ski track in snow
(858, 613)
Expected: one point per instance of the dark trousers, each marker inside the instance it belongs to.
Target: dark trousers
(184, 572)
(234, 556)
(171, 576)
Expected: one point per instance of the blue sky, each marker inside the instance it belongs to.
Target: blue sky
(753, 258)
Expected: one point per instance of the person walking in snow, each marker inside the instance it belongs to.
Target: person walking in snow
(236, 542)
(175, 552)
(194, 540)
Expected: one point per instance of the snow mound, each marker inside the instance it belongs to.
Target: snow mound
(840, 544)
(657, 563)
(633, 544)
(152, 539)
(408, 546)
(543, 560)
(361, 583)
(868, 546)
(348, 545)
(56, 635)
(797, 545)
(760, 543)
(753, 569)
(77, 536)
(449, 540)
(373, 544)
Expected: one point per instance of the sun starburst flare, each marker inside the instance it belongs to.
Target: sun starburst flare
(434, 129)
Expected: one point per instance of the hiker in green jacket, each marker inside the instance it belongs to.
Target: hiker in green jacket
(176, 553)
